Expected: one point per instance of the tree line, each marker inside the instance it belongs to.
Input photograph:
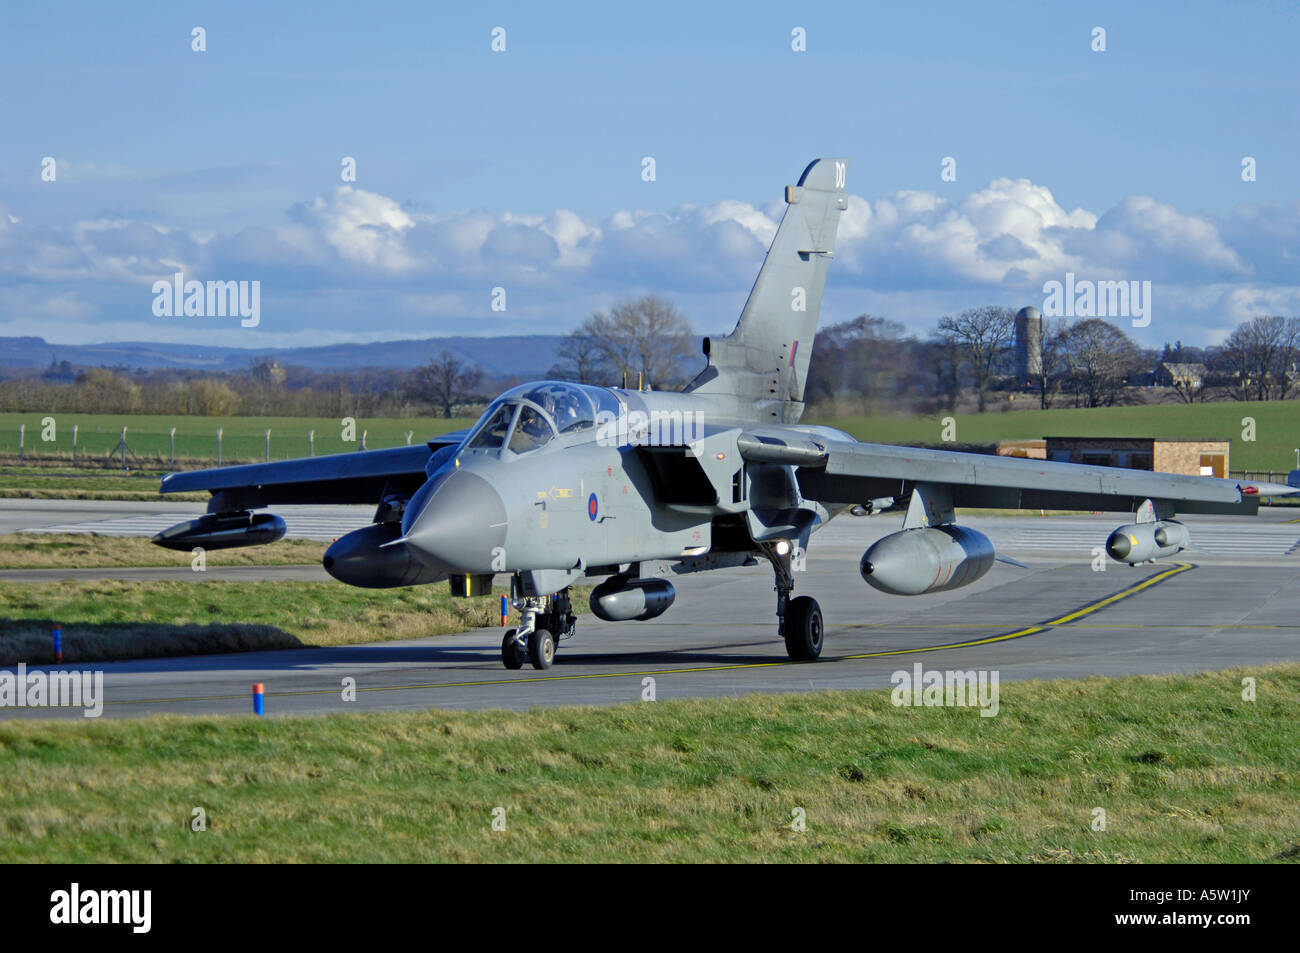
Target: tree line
(867, 365)
(873, 364)
(643, 341)
(443, 387)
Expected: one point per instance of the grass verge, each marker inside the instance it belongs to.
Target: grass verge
(1185, 770)
(90, 551)
(119, 619)
(33, 482)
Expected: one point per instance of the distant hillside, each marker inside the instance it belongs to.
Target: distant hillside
(528, 355)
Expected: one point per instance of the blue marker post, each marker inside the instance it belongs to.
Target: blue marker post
(505, 611)
(58, 644)
(259, 703)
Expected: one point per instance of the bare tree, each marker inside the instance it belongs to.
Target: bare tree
(1259, 357)
(1187, 388)
(981, 335)
(1099, 358)
(582, 360)
(1051, 361)
(445, 382)
(943, 358)
(99, 390)
(866, 358)
(210, 397)
(1186, 370)
(645, 339)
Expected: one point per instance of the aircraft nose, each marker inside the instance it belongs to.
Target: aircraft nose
(462, 520)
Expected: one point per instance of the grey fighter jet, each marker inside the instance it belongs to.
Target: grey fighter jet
(558, 482)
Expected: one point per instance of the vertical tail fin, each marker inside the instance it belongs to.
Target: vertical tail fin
(764, 361)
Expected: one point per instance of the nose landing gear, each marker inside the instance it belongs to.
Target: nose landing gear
(513, 649)
(544, 621)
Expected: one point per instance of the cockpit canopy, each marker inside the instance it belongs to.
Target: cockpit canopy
(531, 415)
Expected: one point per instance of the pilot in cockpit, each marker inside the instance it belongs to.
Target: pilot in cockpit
(531, 431)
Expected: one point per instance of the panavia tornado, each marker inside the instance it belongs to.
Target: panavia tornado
(558, 482)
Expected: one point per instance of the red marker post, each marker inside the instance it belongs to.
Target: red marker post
(505, 612)
(58, 644)
(259, 699)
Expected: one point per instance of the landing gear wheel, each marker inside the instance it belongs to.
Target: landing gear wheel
(511, 654)
(541, 648)
(803, 629)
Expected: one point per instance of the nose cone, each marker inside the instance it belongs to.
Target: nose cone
(462, 520)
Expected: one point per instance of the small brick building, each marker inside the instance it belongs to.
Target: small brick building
(1164, 454)
(1031, 449)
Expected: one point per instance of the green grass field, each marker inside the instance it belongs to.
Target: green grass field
(1185, 770)
(1277, 431)
(1277, 427)
(243, 438)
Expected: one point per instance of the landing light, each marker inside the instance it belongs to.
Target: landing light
(782, 547)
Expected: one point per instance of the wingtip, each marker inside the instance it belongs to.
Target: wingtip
(1264, 490)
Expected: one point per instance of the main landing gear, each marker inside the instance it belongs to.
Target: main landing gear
(544, 621)
(802, 629)
(800, 619)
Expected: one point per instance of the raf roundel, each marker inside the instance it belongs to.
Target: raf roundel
(592, 507)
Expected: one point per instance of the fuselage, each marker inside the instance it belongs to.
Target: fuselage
(560, 476)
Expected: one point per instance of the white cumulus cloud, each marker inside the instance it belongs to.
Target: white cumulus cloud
(908, 254)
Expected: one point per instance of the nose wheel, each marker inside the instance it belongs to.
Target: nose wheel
(545, 620)
(513, 652)
(537, 647)
(541, 649)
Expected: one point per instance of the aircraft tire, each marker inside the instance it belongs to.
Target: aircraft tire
(541, 648)
(803, 630)
(511, 655)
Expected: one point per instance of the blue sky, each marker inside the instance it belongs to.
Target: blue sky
(522, 169)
